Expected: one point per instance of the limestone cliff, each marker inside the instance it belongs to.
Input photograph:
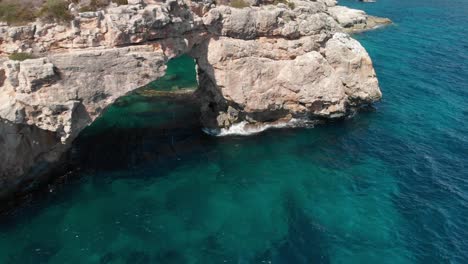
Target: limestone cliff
(258, 65)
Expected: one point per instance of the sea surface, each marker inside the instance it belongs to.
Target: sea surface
(387, 186)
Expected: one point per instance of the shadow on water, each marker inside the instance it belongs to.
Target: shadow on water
(304, 243)
(176, 134)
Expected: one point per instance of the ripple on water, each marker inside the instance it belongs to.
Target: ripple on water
(388, 186)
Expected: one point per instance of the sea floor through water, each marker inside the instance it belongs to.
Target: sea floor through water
(388, 186)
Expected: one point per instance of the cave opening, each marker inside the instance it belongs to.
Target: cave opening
(152, 126)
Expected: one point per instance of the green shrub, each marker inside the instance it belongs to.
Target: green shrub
(120, 2)
(16, 14)
(20, 56)
(239, 4)
(56, 10)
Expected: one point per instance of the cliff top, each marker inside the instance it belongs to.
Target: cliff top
(21, 12)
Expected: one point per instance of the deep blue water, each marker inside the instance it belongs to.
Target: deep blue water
(388, 186)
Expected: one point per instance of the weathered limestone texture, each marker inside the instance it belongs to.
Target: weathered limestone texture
(353, 20)
(258, 65)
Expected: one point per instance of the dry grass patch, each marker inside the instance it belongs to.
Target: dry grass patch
(20, 56)
(95, 5)
(16, 13)
(21, 12)
(239, 4)
(55, 10)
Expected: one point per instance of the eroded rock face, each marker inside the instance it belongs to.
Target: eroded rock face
(259, 65)
(64, 92)
(28, 156)
(276, 64)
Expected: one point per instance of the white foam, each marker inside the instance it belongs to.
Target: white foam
(244, 129)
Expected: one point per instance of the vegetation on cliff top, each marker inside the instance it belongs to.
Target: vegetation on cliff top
(16, 13)
(20, 12)
(95, 5)
(55, 10)
(245, 3)
(239, 4)
(20, 56)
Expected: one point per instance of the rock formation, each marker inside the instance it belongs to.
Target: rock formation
(258, 65)
(353, 20)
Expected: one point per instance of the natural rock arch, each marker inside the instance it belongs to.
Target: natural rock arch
(257, 65)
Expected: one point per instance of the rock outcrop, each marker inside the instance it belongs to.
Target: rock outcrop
(256, 65)
(353, 20)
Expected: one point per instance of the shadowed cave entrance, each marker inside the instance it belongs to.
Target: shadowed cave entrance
(153, 125)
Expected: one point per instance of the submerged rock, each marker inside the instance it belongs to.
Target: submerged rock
(258, 65)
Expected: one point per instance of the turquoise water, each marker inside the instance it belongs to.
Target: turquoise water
(179, 75)
(388, 186)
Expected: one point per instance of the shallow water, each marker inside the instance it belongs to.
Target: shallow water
(388, 186)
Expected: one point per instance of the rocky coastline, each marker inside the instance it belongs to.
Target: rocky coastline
(259, 65)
